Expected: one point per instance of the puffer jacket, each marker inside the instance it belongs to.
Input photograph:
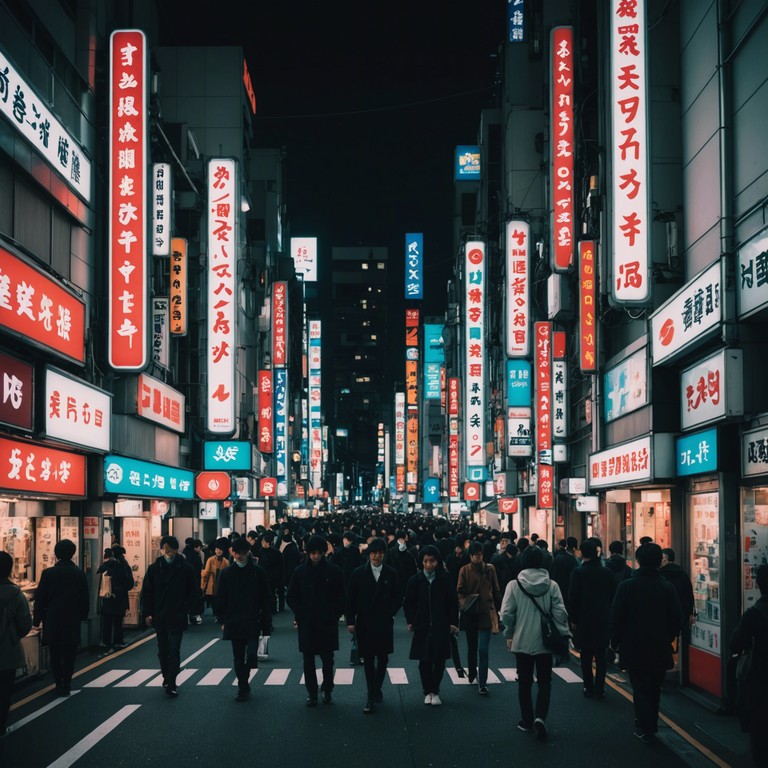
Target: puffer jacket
(521, 618)
(15, 623)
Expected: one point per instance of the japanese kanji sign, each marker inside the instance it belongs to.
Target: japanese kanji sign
(518, 329)
(266, 413)
(712, 390)
(587, 307)
(178, 292)
(474, 355)
(162, 209)
(17, 392)
(542, 360)
(414, 265)
(35, 468)
(280, 323)
(160, 403)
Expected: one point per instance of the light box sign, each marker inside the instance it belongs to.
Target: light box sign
(474, 361)
(629, 194)
(232, 456)
(562, 184)
(518, 383)
(414, 265)
(280, 323)
(691, 315)
(213, 486)
(77, 412)
(518, 319)
(432, 381)
(696, 453)
(516, 21)
(304, 252)
(158, 402)
(281, 430)
(178, 292)
(265, 415)
(754, 452)
(545, 474)
(127, 247)
(160, 333)
(431, 492)
(37, 309)
(434, 343)
(519, 439)
(713, 389)
(559, 405)
(400, 428)
(17, 393)
(162, 209)
(27, 113)
(35, 468)
(645, 459)
(587, 307)
(753, 275)
(467, 163)
(223, 199)
(133, 477)
(625, 385)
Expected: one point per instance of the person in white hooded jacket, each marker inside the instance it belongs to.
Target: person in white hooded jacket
(522, 622)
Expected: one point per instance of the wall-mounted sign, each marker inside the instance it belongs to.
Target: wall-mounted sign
(519, 438)
(562, 147)
(249, 92)
(267, 487)
(474, 356)
(265, 425)
(573, 486)
(35, 468)
(133, 477)
(127, 249)
(519, 383)
(281, 430)
(27, 113)
(754, 452)
(432, 378)
(304, 252)
(162, 209)
(414, 265)
(280, 323)
(587, 307)
(542, 335)
(471, 491)
(230, 456)
(431, 493)
(160, 403)
(753, 275)
(645, 459)
(243, 487)
(518, 312)
(213, 486)
(161, 344)
(178, 292)
(509, 505)
(693, 314)
(467, 163)
(696, 453)
(77, 412)
(17, 392)
(559, 400)
(223, 200)
(625, 385)
(629, 194)
(516, 21)
(37, 309)
(713, 389)
(208, 510)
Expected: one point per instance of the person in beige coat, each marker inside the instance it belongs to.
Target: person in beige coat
(478, 578)
(209, 578)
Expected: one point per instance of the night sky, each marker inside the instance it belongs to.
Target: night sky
(369, 101)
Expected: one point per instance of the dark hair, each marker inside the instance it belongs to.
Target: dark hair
(542, 544)
(616, 548)
(649, 555)
(401, 534)
(252, 535)
(171, 541)
(534, 537)
(523, 543)
(349, 536)
(377, 545)
(762, 579)
(572, 542)
(511, 550)
(562, 544)
(670, 553)
(189, 541)
(268, 536)
(588, 549)
(317, 544)
(241, 545)
(432, 551)
(532, 557)
(6, 565)
(475, 548)
(645, 540)
(118, 551)
(222, 543)
(108, 552)
(64, 549)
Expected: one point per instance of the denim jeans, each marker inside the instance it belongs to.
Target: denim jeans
(478, 641)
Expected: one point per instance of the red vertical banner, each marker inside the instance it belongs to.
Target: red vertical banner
(279, 324)
(266, 422)
(587, 307)
(543, 368)
(562, 148)
(127, 207)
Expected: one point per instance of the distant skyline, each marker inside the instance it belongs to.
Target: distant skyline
(369, 103)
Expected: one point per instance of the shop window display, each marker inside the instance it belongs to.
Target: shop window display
(754, 511)
(705, 570)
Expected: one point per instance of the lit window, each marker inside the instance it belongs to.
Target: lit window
(364, 265)
(358, 357)
(380, 265)
(366, 401)
(366, 323)
(364, 303)
(373, 337)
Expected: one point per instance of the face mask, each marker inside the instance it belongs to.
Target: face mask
(241, 565)
(168, 559)
(401, 546)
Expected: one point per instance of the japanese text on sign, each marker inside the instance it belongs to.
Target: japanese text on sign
(279, 324)
(518, 282)
(178, 292)
(587, 307)
(475, 374)
(414, 254)
(35, 468)
(542, 334)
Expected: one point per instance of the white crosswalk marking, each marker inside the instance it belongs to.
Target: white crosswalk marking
(492, 679)
(340, 676)
(250, 677)
(215, 676)
(397, 676)
(277, 677)
(137, 678)
(509, 674)
(566, 674)
(183, 676)
(455, 679)
(107, 678)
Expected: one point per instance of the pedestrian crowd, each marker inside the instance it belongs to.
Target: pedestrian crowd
(360, 570)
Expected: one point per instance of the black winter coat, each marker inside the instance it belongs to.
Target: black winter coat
(122, 582)
(168, 593)
(617, 565)
(316, 596)
(271, 561)
(61, 603)
(431, 609)
(371, 607)
(244, 602)
(564, 564)
(405, 565)
(291, 560)
(675, 575)
(347, 558)
(645, 619)
(589, 604)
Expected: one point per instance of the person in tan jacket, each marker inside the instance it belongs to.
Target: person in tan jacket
(480, 616)
(209, 578)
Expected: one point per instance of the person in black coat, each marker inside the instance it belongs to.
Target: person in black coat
(373, 599)
(168, 591)
(244, 602)
(400, 558)
(271, 561)
(680, 580)
(316, 597)
(617, 563)
(589, 605)
(563, 565)
(645, 619)
(291, 555)
(431, 609)
(193, 554)
(113, 608)
(61, 603)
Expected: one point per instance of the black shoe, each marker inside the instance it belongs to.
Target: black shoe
(369, 708)
(599, 694)
(243, 694)
(541, 729)
(171, 691)
(472, 675)
(483, 690)
(378, 696)
(326, 697)
(588, 694)
(312, 700)
(645, 738)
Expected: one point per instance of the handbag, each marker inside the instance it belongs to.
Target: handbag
(744, 665)
(263, 650)
(470, 605)
(554, 642)
(105, 586)
(495, 625)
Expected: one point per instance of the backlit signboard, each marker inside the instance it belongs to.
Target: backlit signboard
(467, 163)
(518, 327)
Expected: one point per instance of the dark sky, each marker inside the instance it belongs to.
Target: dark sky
(369, 100)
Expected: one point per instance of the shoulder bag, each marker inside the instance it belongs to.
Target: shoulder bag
(105, 587)
(554, 642)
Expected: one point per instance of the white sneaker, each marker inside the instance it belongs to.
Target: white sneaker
(435, 700)
(428, 698)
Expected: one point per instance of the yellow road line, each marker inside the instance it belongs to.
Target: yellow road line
(82, 671)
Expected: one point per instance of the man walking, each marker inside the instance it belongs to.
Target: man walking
(373, 599)
(168, 591)
(645, 619)
(316, 597)
(244, 602)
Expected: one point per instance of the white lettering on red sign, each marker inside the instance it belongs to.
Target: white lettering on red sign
(35, 468)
